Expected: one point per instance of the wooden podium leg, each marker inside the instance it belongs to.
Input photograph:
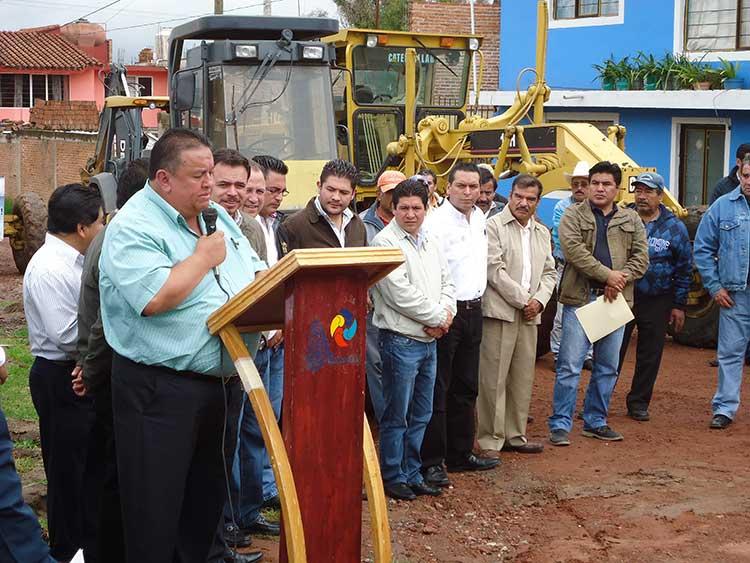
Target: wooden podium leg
(290, 513)
(381, 532)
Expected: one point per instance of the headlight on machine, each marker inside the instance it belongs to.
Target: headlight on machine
(473, 44)
(312, 52)
(246, 51)
(372, 41)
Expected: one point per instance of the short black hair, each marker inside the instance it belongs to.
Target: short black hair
(132, 179)
(231, 158)
(168, 149)
(428, 172)
(269, 163)
(410, 187)
(462, 167)
(526, 181)
(486, 176)
(743, 150)
(340, 168)
(72, 205)
(606, 167)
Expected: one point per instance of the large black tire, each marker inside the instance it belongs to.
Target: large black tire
(32, 216)
(701, 328)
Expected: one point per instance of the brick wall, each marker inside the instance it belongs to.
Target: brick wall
(40, 161)
(438, 17)
(65, 115)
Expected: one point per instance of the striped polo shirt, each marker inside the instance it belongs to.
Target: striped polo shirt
(144, 241)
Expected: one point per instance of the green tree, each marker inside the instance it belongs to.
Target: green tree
(394, 14)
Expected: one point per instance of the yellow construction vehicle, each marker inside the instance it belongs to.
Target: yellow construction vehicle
(403, 103)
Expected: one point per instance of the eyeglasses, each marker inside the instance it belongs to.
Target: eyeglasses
(276, 191)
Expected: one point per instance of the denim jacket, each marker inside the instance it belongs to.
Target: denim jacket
(722, 244)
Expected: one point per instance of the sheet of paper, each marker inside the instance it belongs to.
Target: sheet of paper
(600, 318)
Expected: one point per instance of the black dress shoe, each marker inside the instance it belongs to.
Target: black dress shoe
(236, 537)
(423, 488)
(435, 476)
(641, 415)
(473, 463)
(263, 527)
(720, 422)
(399, 491)
(231, 556)
(273, 502)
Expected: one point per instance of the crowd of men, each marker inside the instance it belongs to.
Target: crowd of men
(151, 449)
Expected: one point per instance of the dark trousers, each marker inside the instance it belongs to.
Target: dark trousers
(172, 468)
(110, 544)
(65, 428)
(20, 534)
(450, 433)
(651, 317)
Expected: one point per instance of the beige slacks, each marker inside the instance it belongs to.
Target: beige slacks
(506, 374)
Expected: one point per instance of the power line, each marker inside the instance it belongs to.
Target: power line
(94, 12)
(64, 6)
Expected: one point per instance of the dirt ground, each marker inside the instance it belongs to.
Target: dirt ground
(673, 490)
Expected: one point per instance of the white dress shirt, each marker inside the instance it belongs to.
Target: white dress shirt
(270, 236)
(526, 251)
(51, 289)
(464, 245)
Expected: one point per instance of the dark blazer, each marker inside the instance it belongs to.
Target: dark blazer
(307, 229)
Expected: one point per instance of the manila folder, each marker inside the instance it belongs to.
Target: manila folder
(600, 318)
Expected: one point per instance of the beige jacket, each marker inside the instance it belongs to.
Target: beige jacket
(504, 294)
(416, 294)
(628, 248)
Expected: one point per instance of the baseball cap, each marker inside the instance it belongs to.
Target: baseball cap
(650, 180)
(389, 180)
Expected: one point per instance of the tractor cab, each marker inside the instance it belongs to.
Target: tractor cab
(371, 107)
(261, 85)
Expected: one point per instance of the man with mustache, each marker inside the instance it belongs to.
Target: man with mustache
(661, 294)
(579, 190)
(520, 280)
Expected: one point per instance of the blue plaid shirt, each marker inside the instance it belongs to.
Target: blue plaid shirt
(670, 256)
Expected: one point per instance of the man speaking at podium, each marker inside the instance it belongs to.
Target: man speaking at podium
(174, 392)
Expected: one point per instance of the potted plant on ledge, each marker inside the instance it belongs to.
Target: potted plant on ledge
(607, 73)
(729, 78)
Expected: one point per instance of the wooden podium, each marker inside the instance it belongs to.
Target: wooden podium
(319, 298)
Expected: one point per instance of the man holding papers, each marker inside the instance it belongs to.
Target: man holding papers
(605, 251)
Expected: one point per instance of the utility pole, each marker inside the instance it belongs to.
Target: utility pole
(377, 14)
(218, 7)
(266, 7)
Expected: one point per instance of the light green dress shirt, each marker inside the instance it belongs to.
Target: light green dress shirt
(143, 242)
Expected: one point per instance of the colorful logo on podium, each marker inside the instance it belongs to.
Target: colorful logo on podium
(343, 328)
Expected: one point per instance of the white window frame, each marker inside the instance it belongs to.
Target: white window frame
(674, 152)
(678, 46)
(585, 22)
(29, 76)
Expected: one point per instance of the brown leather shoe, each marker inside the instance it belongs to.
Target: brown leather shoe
(491, 454)
(527, 448)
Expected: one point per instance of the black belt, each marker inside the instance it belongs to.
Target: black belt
(192, 374)
(468, 305)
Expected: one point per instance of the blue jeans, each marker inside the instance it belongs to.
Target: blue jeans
(252, 481)
(374, 369)
(409, 370)
(573, 348)
(734, 335)
(20, 534)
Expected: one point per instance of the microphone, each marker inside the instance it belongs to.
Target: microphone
(209, 218)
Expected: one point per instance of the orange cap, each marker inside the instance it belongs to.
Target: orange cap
(389, 180)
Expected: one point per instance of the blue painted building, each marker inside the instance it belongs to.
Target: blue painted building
(689, 136)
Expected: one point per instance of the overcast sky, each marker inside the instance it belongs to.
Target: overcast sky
(18, 14)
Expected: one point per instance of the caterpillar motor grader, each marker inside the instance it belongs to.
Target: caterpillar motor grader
(404, 105)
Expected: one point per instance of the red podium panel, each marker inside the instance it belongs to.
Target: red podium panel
(324, 408)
